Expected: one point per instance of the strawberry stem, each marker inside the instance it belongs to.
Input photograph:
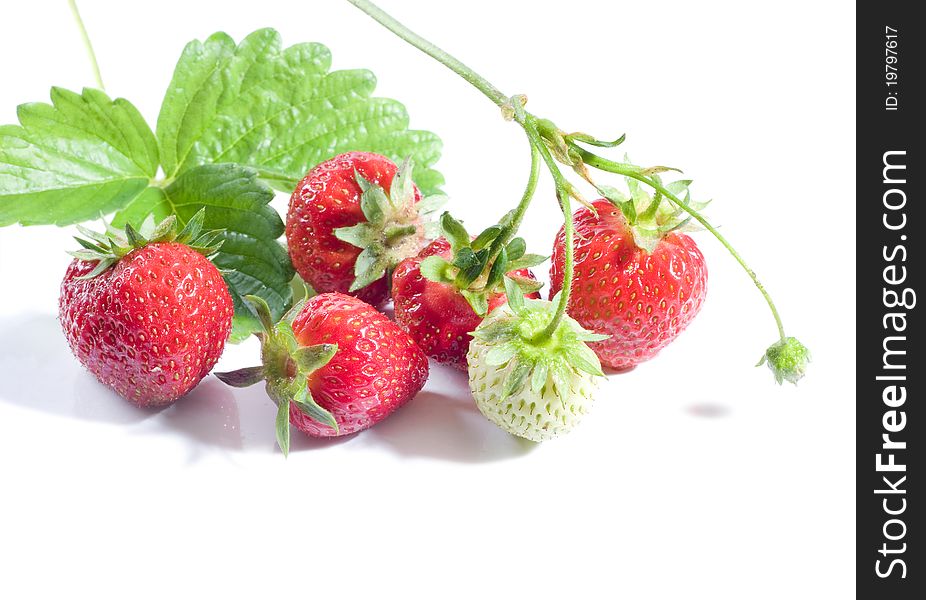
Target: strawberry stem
(452, 63)
(517, 216)
(604, 164)
(512, 108)
(552, 145)
(87, 44)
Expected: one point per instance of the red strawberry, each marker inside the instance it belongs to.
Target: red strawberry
(436, 314)
(642, 299)
(338, 367)
(149, 320)
(351, 220)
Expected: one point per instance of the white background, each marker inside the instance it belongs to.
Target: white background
(694, 477)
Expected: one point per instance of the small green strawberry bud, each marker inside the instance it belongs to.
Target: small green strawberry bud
(787, 358)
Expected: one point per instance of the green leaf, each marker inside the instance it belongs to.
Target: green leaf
(281, 111)
(74, 160)
(253, 261)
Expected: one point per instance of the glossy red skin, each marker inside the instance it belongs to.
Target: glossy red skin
(376, 369)
(436, 315)
(152, 326)
(326, 199)
(643, 301)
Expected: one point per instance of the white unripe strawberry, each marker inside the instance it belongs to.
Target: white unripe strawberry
(530, 387)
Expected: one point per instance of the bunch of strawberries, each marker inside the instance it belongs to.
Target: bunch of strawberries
(148, 314)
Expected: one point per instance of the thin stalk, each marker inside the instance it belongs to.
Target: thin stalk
(87, 45)
(431, 50)
(508, 233)
(562, 194)
(604, 164)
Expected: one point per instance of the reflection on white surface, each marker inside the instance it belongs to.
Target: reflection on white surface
(440, 423)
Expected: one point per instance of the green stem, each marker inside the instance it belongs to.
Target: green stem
(604, 164)
(526, 120)
(562, 194)
(431, 50)
(508, 233)
(87, 44)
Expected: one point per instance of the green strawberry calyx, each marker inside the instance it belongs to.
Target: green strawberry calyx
(286, 369)
(651, 217)
(106, 249)
(480, 264)
(515, 334)
(787, 359)
(395, 226)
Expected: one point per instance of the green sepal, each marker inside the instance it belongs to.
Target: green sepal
(497, 272)
(435, 268)
(285, 334)
(431, 204)
(652, 217)
(527, 285)
(559, 373)
(517, 377)
(470, 266)
(242, 377)
(374, 203)
(312, 358)
(308, 406)
(527, 261)
(487, 236)
(370, 266)
(455, 232)
(583, 358)
(286, 368)
(539, 376)
(516, 248)
(100, 267)
(261, 310)
(133, 237)
(395, 226)
(514, 295)
(592, 141)
(402, 189)
(360, 235)
(282, 425)
(501, 354)
(515, 336)
(477, 301)
(109, 248)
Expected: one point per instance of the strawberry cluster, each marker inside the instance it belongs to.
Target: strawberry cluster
(148, 313)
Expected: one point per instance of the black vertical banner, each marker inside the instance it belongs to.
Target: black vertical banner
(891, 224)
